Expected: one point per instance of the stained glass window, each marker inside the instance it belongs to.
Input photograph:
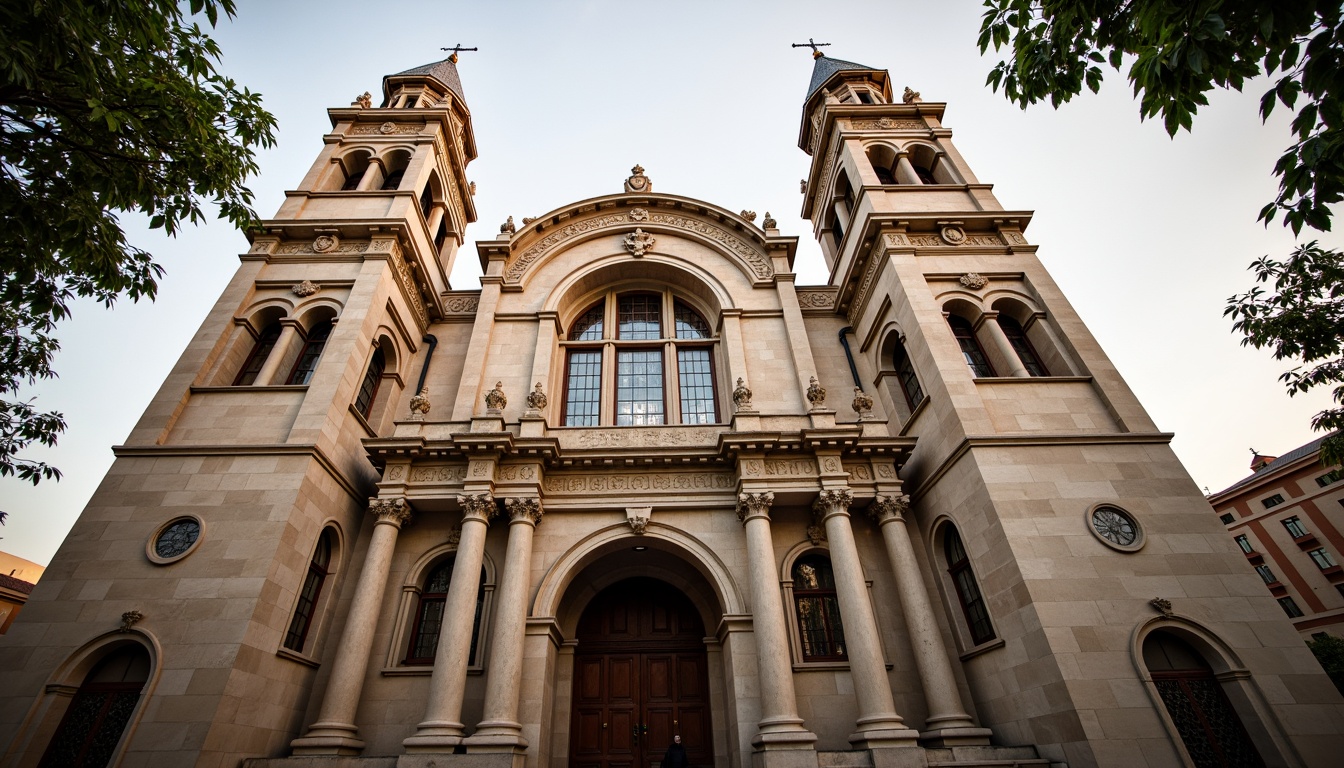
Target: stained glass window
(820, 629)
(177, 538)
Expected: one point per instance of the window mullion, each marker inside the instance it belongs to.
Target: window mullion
(671, 383)
(607, 409)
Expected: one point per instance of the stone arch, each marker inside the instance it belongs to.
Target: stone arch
(1023, 321)
(574, 294)
(933, 161)
(349, 168)
(314, 311)
(883, 158)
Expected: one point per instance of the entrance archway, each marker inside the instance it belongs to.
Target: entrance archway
(640, 677)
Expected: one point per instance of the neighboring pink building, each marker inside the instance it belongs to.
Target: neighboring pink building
(1287, 518)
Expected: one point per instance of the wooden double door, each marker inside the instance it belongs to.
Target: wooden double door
(640, 678)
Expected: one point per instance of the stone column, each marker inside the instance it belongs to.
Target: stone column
(878, 724)
(372, 177)
(905, 170)
(1005, 348)
(947, 723)
(335, 733)
(289, 330)
(442, 729)
(780, 728)
(499, 729)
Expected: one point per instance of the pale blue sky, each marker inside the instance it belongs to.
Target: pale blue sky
(1146, 235)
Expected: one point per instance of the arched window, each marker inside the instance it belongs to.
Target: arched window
(641, 353)
(304, 610)
(368, 389)
(1208, 724)
(312, 352)
(98, 713)
(925, 175)
(257, 358)
(820, 630)
(968, 590)
(352, 182)
(970, 346)
(393, 180)
(905, 372)
(1017, 337)
(429, 617)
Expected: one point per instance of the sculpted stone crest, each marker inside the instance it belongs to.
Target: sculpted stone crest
(638, 182)
(536, 399)
(639, 242)
(326, 243)
(973, 281)
(638, 518)
(305, 289)
(420, 403)
(816, 394)
(742, 395)
(495, 399)
(639, 214)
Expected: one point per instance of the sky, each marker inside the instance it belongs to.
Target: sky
(1146, 235)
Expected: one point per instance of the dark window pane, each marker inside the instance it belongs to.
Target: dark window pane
(352, 181)
(1022, 346)
(588, 327)
(639, 317)
(1295, 527)
(884, 175)
(312, 352)
(970, 347)
(306, 607)
(696, 379)
(393, 180)
(639, 386)
(968, 591)
(584, 388)
(905, 371)
(820, 630)
(429, 616)
(260, 351)
(368, 389)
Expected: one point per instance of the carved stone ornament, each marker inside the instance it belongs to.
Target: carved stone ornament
(863, 402)
(524, 509)
(638, 182)
(472, 188)
(420, 403)
(305, 289)
(536, 399)
(363, 101)
(508, 227)
(495, 399)
(742, 395)
(478, 504)
(953, 235)
(638, 214)
(455, 536)
(974, 281)
(816, 534)
(910, 96)
(816, 394)
(130, 619)
(802, 186)
(768, 222)
(639, 242)
(749, 215)
(638, 518)
(754, 504)
(394, 511)
(1162, 605)
(884, 507)
(833, 500)
(387, 127)
(326, 243)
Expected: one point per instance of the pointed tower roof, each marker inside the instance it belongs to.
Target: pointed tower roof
(825, 66)
(445, 72)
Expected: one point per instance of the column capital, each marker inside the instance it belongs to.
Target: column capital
(479, 506)
(524, 510)
(751, 505)
(833, 501)
(888, 508)
(394, 512)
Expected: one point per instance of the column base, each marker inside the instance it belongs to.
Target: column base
(910, 756)
(496, 738)
(957, 736)
(434, 737)
(897, 737)
(328, 739)
(798, 738)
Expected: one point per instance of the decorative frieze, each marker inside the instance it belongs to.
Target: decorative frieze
(443, 474)
(859, 471)
(623, 483)
(461, 305)
(386, 129)
(816, 298)
(887, 124)
(791, 468)
(655, 437)
(329, 245)
(516, 472)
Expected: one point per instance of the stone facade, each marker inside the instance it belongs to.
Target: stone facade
(370, 521)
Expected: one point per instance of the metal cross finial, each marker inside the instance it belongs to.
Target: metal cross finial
(456, 49)
(814, 45)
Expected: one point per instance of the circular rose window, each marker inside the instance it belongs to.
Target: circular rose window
(175, 540)
(1115, 527)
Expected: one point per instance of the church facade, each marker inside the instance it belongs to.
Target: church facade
(641, 485)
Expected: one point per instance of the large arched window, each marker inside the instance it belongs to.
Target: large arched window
(970, 346)
(1210, 729)
(261, 350)
(968, 590)
(98, 713)
(820, 630)
(424, 641)
(905, 372)
(658, 372)
(313, 345)
(319, 567)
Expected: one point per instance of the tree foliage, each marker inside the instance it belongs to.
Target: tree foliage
(106, 106)
(1329, 652)
(1177, 52)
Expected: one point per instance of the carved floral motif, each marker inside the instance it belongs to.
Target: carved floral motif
(524, 509)
(517, 472)
(394, 511)
(833, 500)
(973, 281)
(816, 299)
(638, 242)
(884, 507)
(129, 619)
(438, 474)
(480, 505)
(462, 304)
(791, 467)
(1162, 605)
(754, 504)
(886, 124)
(305, 289)
(638, 214)
(624, 483)
(816, 534)
(643, 438)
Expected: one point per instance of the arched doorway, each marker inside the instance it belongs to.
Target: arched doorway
(97, 715)
(1209, 727)
(640, 677)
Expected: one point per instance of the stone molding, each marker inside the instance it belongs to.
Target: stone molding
(524, 510)
(392, 511)
(752, 505)
(480, 506)
(833, 501)
(886, 508)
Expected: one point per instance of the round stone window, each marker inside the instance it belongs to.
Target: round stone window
(1115, 527)
(175, 540)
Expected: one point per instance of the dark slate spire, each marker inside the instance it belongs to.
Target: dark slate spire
(825, 66)
(444, 71)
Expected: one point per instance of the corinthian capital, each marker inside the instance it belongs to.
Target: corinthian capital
(478, 505)
(394, 511)
(833, 500)
(753, 504)
(524, 509)
(886, 508)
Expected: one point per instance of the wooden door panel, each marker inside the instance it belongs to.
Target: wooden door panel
(691, 677)
(588, 688)
(658, 682)
(622, 677)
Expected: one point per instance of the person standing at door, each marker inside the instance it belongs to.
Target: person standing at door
(676, 755)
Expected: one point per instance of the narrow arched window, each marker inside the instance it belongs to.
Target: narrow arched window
(1208, 724)
(970, 346)
(257, 358)
(99, 711)
(905, 372)
(312, 352)
(1017, 337)
(368, 389)
(306, 607)
(429, 617)
(925, 175)
(968, 591)
(393, 179)
(352, 182)
(819, 627)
